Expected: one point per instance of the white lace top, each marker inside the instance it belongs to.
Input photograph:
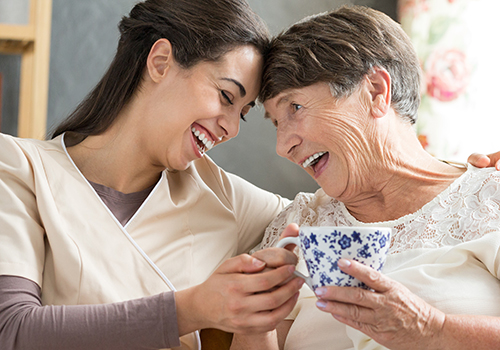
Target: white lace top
(468, 209)
(447, 253)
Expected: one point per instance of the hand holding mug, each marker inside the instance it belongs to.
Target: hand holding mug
(323, 246)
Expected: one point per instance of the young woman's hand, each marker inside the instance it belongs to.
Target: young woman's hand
(483, 161)
(240, 297)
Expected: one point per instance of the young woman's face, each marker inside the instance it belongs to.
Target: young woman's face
(198, 108)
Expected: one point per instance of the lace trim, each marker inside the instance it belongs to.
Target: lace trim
(468, 209)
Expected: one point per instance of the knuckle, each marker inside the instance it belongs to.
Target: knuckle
(373, 276)
(234, 307)
(234, 288)
(272, 302)
(359, 295)
(265, 283)
(245, 258)
(239, 323)
(354, 313)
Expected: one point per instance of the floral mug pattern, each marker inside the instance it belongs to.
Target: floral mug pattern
(323, 246)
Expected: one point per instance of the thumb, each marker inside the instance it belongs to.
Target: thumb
(292, 230)
(243, 263)
(479, 160)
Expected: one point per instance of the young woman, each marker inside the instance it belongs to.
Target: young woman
(114, 233)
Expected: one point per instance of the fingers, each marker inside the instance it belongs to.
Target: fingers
(267, 320)
(292, 230)
(263, 311)
(365, 274)
(348, 311)
(482, 161)
(479, 160)
(276, 257)
(276, 298)
(263, 282)
(243, 263)
(495, 160)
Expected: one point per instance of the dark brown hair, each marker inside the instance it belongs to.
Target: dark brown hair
(340, 48)
(199, 30)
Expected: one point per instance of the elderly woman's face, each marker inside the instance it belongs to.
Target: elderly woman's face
(322, 134)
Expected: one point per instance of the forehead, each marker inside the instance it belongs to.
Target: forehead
(242, 61)
(304, 95)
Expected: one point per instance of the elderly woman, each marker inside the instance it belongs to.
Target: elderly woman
(342, 89)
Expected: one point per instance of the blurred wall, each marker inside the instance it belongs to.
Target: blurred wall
(83, 42)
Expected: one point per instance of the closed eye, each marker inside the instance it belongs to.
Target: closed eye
(226, 97)
(245, 109)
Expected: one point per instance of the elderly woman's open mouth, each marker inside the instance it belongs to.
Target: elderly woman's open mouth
(317, 162)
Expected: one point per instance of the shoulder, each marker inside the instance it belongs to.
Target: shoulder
(476, 180)
(15, 151)
(27, 147)
(20, 157)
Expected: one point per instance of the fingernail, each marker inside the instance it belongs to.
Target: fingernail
(258, 263)
(291, 268)
(344, 263)
(321, 304)
(320, 291)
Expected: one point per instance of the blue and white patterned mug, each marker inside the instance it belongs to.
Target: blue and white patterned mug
(323, 246)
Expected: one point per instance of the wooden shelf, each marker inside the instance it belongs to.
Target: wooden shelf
(32, 42)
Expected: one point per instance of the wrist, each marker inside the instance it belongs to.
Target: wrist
(263, 341)
(437, 337)
(189, 316)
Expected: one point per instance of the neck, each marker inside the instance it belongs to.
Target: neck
(401, 178)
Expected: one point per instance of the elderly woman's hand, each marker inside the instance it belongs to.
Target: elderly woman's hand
(390, 314)
(483, 161)
(275, 257)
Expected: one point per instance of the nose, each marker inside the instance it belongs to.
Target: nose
(230, 123)
(286, 141)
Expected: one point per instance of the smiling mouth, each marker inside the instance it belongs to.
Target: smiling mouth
(312, 160)
(202, 142)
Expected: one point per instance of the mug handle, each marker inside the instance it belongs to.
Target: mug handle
(295, 240)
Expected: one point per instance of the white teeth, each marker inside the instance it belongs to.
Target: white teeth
(311, 159)
(208, 144)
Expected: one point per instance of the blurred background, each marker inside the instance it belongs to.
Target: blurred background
(455, 39)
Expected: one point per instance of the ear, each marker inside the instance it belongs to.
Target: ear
(159, 60)
(379, 85)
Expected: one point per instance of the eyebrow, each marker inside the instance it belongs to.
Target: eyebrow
(283, 99)
(243, 92)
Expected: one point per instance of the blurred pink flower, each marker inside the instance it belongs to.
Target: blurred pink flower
(412, 7)
(447, 74)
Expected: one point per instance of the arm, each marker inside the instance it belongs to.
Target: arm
(227, 300)
(394, 317)
(144, 323)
